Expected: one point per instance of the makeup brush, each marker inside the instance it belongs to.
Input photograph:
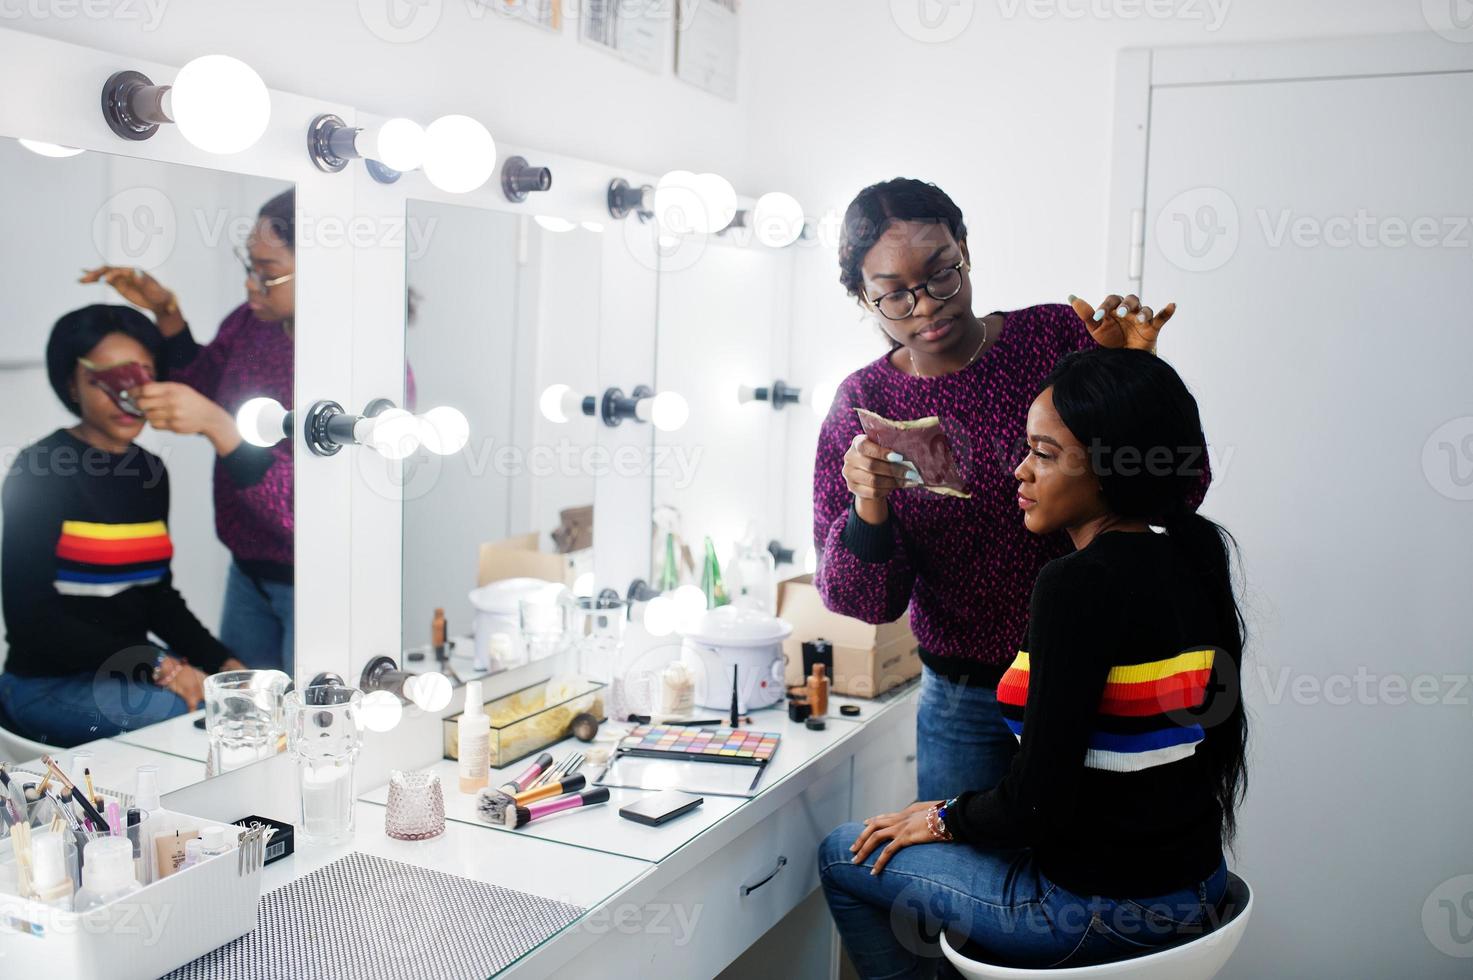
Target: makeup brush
(522, 815)
(493, 805)
(75, 793)
(539, 765)
(15, 798)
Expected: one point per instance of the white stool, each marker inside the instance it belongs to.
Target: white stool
(1200, 958)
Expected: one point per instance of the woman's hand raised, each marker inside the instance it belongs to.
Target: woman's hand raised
(872, 473)
(1123, 322)
(140, 289)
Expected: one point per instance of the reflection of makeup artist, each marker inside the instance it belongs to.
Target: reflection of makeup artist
(251, 356)
(86, 550)
(965, 567)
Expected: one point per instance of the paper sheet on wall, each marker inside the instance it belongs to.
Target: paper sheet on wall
(547, 14)
(706, 45)
(634, 32)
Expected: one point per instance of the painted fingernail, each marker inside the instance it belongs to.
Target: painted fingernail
(894, 458)
(1099, 315)
(1121, 310)
(1140, 317)
(1073, 298)
(854, 860)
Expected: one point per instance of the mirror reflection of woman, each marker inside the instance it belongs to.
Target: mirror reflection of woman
(86, 552)
(252, 355)
(964, 567)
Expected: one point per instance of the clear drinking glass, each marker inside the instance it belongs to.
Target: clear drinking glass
(544, 622)
(325, 730)
(243, 717)
(416, 807)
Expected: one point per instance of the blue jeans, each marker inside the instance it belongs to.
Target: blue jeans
(998, 899)
(962, 741)
(77, 708)
(257, 624)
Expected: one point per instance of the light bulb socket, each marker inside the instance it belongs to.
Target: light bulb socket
(616, 406)
(331, 143)
(738, 220)
(624, 198)
(641, 591)
(133, 105)
(328, 428)
(518, 179)
(382, 674)
(778, 394)
(780, 555)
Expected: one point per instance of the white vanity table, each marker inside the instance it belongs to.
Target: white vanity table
(690, 896)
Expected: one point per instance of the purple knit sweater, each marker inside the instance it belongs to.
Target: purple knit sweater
(965, 567)
(248, 358)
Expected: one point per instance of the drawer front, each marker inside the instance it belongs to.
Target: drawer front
(708, 917)
(885, 769)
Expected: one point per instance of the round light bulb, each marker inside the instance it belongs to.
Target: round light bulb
(549, 222)
(261, 422)
(554, 403)
(660, 614)
(583, 585)
(50, 149)
(394, 434)
(220, 104)
(460, 154)
(669, 411)
(444, 430)
(400, 144)
(720, 199)
(430, 691)
(678, 205)
(777, 219)
(690, 603)
(823, 398)
(810, 561)
(594, 226)
(381, 711)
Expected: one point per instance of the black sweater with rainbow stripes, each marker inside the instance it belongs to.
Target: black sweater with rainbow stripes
(85, 570)
(1108, 787)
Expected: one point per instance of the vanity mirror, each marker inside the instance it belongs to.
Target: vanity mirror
(144, 545)
(501, 308)
(724, 320)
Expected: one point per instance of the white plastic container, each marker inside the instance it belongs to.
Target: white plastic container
(141, 936)
(474, 738)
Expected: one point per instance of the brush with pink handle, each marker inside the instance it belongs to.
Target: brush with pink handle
(522, 815)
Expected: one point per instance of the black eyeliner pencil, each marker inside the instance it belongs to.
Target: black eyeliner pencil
(76, 794)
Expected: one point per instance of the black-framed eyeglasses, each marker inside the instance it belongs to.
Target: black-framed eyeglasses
(901, 303)
(254, 275)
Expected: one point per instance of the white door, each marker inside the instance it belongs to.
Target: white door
(1315, 234)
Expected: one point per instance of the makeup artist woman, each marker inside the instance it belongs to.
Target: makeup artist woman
(964, 566)
(251, 356)
(85, 569)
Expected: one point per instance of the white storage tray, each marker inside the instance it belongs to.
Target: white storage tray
(156, 929)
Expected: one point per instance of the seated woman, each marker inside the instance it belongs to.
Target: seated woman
(1106, 836)
(86, 550)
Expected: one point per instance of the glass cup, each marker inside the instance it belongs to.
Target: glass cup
(598, 629)
(416, 807)
(543, 622)
(325, 730)
(243, 717)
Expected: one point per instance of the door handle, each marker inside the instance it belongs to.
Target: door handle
(748, 887)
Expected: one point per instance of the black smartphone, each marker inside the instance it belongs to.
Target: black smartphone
(658, 808)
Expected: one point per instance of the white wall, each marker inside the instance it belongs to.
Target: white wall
(73, 213)
(527, 85)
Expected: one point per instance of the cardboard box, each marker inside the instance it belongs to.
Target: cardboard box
(868, 659)
(519, 557)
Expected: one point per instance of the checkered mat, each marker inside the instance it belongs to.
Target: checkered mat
(368, 918)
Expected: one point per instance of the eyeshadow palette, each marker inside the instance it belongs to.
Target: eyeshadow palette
(730, 745)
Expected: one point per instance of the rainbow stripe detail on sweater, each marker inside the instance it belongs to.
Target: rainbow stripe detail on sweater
(1134, 726)
(104, 559)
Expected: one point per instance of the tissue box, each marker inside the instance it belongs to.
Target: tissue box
(868, 659)
(149, 933)
(531, 719)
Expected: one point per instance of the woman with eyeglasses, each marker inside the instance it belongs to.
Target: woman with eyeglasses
(252, 355)
(963, 565)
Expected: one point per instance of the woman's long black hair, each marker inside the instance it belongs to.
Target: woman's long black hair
(1141, 427)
